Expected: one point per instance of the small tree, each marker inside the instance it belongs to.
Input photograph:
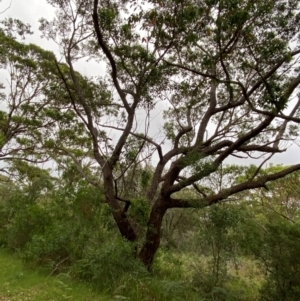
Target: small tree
(272, 236)
(225, 73)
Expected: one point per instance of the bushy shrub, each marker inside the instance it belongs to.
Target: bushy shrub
(107, 263)
(280, 256)
(52, 246)
(217, 238)
(22, 220)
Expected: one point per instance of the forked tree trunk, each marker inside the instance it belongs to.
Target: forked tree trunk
(125, 226)
(153, 234)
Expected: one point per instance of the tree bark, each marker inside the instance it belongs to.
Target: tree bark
(153, 234)
(124, 225)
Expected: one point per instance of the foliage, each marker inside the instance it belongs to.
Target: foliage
(218, 240)
(223, 74)
(21, 283)
(280, 254)
(228, 251)
(108, 263)
(275, 244)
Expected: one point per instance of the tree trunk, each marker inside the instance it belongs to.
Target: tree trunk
(125, 227)
(153, 234)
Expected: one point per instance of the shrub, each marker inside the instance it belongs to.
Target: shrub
(25, 223)
(280, 256)
(107, 263)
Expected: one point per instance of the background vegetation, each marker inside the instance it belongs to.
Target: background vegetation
(229, 251)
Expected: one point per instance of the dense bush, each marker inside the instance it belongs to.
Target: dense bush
(21, 219)
(107, 263)
(278, 251)
(227, 252)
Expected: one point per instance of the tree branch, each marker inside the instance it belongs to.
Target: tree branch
(225, 193)
(109, 56)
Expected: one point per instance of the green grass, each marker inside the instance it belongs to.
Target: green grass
(18, 283)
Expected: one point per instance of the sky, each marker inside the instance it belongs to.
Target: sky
(30, 11)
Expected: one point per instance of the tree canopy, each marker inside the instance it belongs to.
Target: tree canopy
(226, 74)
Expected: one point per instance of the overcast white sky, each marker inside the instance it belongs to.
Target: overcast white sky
(30, 11)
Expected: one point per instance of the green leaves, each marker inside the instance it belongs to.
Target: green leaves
(14, 26)
(107, 17)
(218, 75)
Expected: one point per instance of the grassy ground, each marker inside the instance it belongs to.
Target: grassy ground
(20, 284)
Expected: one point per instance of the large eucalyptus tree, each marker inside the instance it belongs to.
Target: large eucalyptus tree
(225, 72)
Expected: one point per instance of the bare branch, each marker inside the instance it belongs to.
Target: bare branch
(78, 165)
(212, 105)
(1, 12)
(140, 136)
(225, 193)
(109, 56)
